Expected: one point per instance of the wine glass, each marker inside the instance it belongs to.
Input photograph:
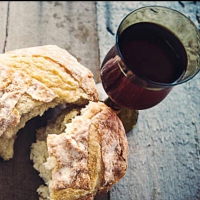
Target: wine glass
(156, 49)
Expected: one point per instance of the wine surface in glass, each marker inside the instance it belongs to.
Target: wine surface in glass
(152, 53)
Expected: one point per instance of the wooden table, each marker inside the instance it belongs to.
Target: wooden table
(70, 25)
(164, 157)
(164, 154)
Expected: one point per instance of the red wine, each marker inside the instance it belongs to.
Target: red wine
(153, 52)
(155, 57)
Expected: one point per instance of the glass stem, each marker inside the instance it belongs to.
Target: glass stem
(127, 116)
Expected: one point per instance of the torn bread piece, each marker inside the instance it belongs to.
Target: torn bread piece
(34, 79)
(82, 159)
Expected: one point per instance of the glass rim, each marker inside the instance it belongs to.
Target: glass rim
(176, 82)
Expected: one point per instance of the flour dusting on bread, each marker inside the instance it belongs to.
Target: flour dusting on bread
(34, 79)
(83, 150)
(87, 158)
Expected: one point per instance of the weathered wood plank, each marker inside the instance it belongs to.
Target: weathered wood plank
(3, 24)
(70, 25)
(164, 154)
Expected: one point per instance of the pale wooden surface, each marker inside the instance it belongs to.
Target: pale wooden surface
(70, 25)
(164, 155)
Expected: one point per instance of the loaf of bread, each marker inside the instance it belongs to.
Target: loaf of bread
(81, 154)
(34, 79)
(83, 150)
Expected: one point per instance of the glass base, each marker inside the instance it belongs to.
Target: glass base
(127, 116)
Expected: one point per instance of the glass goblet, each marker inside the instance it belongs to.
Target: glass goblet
(156, 49)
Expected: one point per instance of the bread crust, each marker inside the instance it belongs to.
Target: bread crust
(88, 153)
(34, 79)
(89, 156)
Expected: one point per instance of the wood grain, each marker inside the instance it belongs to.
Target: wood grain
(164, 146)
(3, 24)
(70, 25)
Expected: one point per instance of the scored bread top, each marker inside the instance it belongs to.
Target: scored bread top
(34, 79)
(89, 156)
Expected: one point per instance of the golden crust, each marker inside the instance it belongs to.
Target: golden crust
(91, 154)
(86, 151)
(35, 79)
(78, 72)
